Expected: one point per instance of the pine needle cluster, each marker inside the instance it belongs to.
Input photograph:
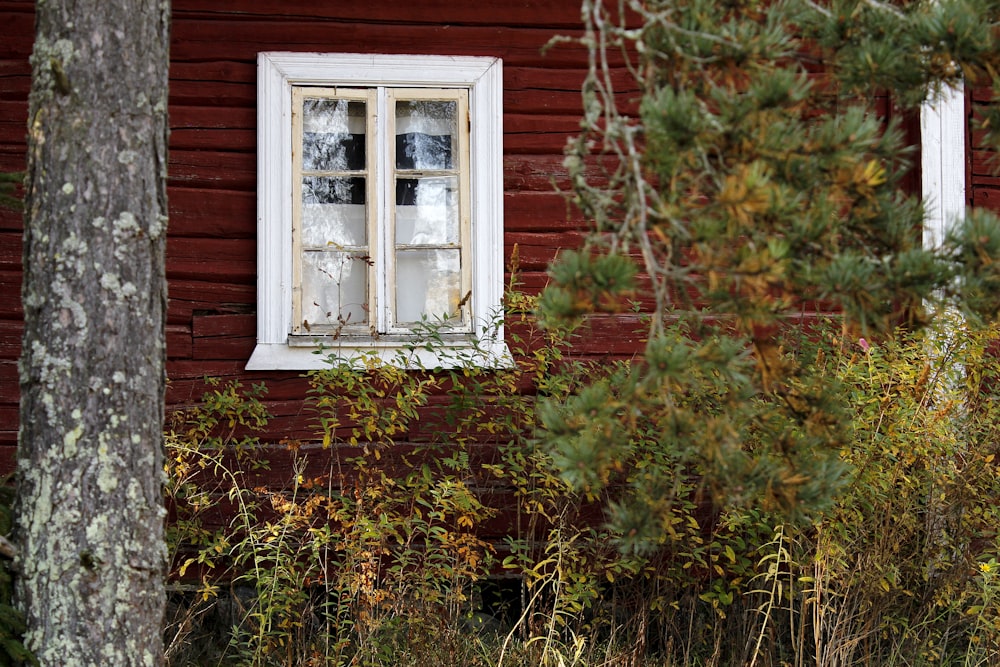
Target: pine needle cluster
(753, 189)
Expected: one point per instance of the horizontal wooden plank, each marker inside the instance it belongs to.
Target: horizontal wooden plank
(520, 12)
(10, 251)
(189, 296)
(194, 40)
(527, 78)
(15, 80)
(212, 169)
(537, 134)
(211, 213)
(981, 94)
(527, 281)
(14, 67)
(223, 347)
(213, 139)
(985, 181)
(207, 326)
(534, 173)
(988, 198)
(232, 259)
(224, 336)
(217, 83)
(540, 211)
(214, 71)
(985, 163)
(18, 33)
(13, 142)
(182, 371)
(178, 341)
(187, 381)
(209, 92)
(10, 392)
(216, 143)
(537, 249)
(529, 143)
(212, 117)
(10, 339)
(10, 287)
(8, 445)
(13, 157)
(611, 334)
(14, 123)
(286, 390)
(536, 101)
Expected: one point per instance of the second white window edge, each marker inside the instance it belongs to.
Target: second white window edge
(942, 161)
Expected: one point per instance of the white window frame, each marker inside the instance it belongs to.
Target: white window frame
(277, 74)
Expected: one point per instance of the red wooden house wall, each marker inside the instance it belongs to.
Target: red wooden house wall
(211, 261)
(211, 252)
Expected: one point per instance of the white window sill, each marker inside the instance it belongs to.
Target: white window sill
(306, 357)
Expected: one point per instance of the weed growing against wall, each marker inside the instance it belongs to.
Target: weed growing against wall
(373, 551)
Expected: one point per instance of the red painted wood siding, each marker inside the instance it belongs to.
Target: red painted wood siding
(982, 179)
(211, 248)
(212, 172)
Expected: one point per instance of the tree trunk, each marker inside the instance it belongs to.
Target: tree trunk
(90, 512)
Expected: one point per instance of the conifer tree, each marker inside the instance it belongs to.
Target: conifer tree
(758, 186)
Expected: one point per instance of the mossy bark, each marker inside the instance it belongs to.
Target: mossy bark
(89, 510)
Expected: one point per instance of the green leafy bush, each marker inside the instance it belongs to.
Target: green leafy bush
(377, 558)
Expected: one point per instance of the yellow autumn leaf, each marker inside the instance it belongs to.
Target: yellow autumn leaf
(185, 566)
(873, 174)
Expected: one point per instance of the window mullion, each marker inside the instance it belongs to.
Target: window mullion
(296, 212)
(381, 224)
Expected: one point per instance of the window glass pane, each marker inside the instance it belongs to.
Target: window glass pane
(427, 210)
(333, 225)
(333, 135)
(326, 190)
(425, 134)
(333, 212)
(428, 282)
(334, 289)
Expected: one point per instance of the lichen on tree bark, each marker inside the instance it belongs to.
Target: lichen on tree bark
(89, 510)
